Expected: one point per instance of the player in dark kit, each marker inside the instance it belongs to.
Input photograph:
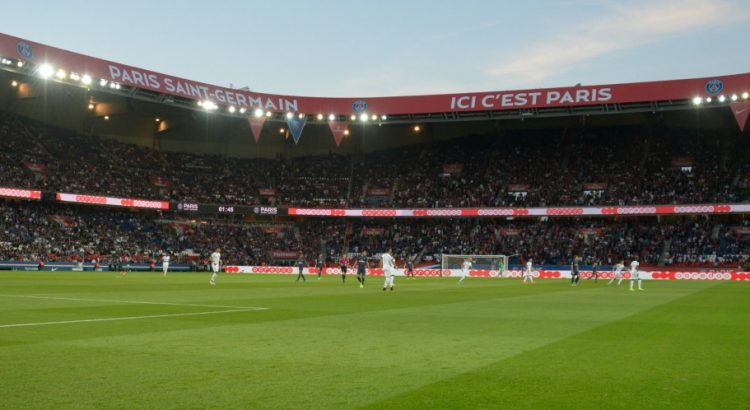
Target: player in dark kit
(343, 265)
(574, 272)
(361, 268)
(319, 265)
(409, 268)
(301, 267)
(595, 270)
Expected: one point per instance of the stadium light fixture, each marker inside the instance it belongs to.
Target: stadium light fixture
(103, 83)
(20, 64)
(709, 99)
(61, 74)
(320, 117)
(353, 117)
(331, 117)
(258, 112)
(269, 114)
(5, 61)
(697, 101)
(45, 70)
(374, 117)
(91, 106)
(106, 118)
(158, 119)
(86, 79)
(243, 110)
(281, 130)
(301, 116)
(289, 116)
(417, 128)
(722, 98)
(210, 105)
(745, 95)
(232, 109)
(75, 76)
(346, 132)
(383, 117)
(734, 97)
(14, 83)
(363, 117)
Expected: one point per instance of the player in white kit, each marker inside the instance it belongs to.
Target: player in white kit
(165, 263)
(388, 269)
(215, 265)
(528, 272)
(618, 273)
(635, 275)
(464, 270)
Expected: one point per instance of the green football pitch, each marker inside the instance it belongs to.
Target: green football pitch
(98, 340)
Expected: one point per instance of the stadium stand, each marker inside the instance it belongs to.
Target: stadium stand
(33, 231)
(614, 166)
(624, 165)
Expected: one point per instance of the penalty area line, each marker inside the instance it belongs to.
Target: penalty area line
(113, 319)
(139, 302)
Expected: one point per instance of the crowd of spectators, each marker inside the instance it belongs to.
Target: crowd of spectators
(692, 242)
(571, 166)
(35, 231)
(548, 242)
(55, 232)
(630, 165)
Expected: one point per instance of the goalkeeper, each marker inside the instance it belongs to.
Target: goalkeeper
(500, 269)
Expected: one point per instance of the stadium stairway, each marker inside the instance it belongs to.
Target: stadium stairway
(716, 231)
(665, 252)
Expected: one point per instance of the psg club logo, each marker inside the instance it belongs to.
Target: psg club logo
(359, 106)
(24, 49)
(714, 87)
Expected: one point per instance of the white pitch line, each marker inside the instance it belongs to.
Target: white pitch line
(132, 302)
(112, 319)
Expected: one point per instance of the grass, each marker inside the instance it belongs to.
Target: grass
(321, 344)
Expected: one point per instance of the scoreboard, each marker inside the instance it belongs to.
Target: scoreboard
(228, 209)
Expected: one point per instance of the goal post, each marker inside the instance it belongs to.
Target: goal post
(497, 265)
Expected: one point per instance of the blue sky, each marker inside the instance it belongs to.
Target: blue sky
(386, 47)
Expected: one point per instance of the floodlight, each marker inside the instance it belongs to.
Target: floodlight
(45, 70)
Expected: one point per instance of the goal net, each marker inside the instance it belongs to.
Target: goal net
(495, 264)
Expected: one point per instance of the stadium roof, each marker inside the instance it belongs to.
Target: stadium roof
(66, 66)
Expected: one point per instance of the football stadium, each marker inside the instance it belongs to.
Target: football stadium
(168, 243)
